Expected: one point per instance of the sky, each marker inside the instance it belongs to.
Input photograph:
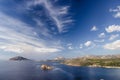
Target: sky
(45, 29)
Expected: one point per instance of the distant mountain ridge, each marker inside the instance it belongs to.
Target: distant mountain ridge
(18, 58)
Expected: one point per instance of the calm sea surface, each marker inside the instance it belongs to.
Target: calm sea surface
(26, 70)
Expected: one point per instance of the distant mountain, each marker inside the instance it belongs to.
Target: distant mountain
(18, 58)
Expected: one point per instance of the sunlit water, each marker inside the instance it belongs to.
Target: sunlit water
(27, 70)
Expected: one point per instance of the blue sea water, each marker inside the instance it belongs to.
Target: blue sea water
(29, 70)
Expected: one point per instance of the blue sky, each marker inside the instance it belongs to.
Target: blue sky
(44, 29)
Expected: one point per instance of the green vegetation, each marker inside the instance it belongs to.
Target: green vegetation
(95, 62)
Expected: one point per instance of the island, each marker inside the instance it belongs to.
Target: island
(109, 61)
(46, 67)
(18, 58)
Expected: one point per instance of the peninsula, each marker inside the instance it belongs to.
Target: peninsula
(109, 61)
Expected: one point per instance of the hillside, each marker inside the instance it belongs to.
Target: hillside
(96, 61)
(18, 58)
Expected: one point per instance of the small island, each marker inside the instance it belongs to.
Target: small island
(46, 67)
(95, 61)
(18, 58)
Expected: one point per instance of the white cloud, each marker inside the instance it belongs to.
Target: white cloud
(112, 37)
(19, 37)
(113, 28)
(116, 12)
(117, 15)
(56, 13)
(102, 40)
(112, 46)
(12, 48)
(101, 35)
(88, 43)
(94, 28)
(26, 48)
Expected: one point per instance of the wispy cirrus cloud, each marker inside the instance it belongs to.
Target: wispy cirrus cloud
(42, 29)
(57, 14)
(19, 37)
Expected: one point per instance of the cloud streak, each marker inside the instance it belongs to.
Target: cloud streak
(20, 37)
(58, 14)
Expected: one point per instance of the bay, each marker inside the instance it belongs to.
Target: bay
(30, 70)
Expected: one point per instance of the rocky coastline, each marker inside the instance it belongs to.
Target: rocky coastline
(94, 66)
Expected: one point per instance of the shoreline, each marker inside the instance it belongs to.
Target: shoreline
(93, 66)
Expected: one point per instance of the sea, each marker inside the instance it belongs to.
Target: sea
(30, 70)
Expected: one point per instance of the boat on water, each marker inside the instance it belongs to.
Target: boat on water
(46, 67)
